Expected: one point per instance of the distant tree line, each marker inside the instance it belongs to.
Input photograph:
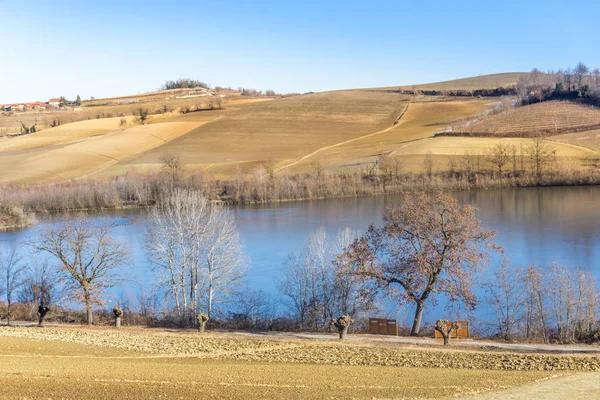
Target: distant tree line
(184, 83)
(580, 82)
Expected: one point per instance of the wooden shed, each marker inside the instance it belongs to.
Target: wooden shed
(460, 333)
(383, 326)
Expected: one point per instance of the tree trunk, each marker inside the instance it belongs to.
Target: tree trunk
(202, 326)
(117, 322)
(446, 339)
(417, 321)
(88, 309)
(343, 332)
(210, 298)
(8, 312)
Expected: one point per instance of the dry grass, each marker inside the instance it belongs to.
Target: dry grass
(282, 129)
(589, 139)
(141, 364)
(335, 131)
(420, 121)
(63, 134)
(87, 156)
(552, 117)
(491, 81)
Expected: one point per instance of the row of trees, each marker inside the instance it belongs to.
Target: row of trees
(196, 253)
(193, 245)
(555, 302)
(580, 82)
(537, 158)
(316, 289)
(184, 83)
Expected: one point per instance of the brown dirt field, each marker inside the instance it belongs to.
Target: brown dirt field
(63, 134)
(283, 129)
(342, 130)
(101, 363)
(87, 156)
(550, 117)
(155, 103)
(420, 121)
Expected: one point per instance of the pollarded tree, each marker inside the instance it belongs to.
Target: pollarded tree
(428, 245)
(88, 257)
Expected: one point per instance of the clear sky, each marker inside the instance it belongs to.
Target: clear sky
(106, 48)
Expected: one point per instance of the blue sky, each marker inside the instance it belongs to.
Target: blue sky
(53, 48)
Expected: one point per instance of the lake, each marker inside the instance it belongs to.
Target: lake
(535, 225)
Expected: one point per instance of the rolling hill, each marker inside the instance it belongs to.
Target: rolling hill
(333, 131)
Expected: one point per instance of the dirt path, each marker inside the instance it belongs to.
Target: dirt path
(581, 386)
(430, 342)
(396, 123)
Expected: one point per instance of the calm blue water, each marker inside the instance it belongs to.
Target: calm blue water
(535, 225)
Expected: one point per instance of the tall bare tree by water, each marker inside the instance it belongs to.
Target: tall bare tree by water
(88, 258)
(505, 295)
(428, 245)
(195, 251)
(317, 288)
(224, 263)
(12, 269)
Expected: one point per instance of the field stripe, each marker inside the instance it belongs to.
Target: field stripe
(396, 123)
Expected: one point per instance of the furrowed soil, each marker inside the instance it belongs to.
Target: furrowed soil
(137, 363)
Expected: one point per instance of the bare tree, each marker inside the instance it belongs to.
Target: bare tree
(270, 167)
(195, 251)
(295, 286)
(225, 266)
(540, 154)
(41, 285)
(428, 245)
(317, 286)
(499, 156)
(428, 164)
(536, 314)
(12, 269)
(573, 299)
(88, 257)
(172, 163)
(581, 70)
(505, 294)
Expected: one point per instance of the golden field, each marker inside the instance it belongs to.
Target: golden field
(331, 131)
(142, 363)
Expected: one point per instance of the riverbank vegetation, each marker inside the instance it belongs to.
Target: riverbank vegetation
(502, 165)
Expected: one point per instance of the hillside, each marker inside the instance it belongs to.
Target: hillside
(551, 118)
(491, 81)
(331, 131)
